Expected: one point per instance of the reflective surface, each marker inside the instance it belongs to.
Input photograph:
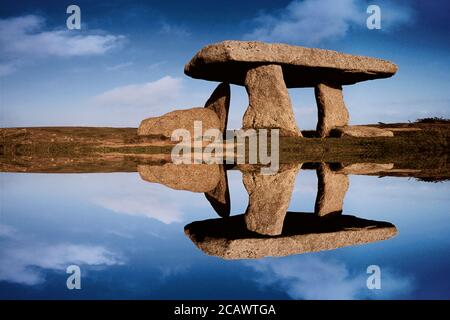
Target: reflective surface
(128, 237)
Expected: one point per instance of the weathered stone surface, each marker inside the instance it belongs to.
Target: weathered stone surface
(179, 119)
(219, 197)
(213, 116)
(366, 168)
(303, 232)
(269, 197)
(331, 190)
(219, 102)
(332, 112)
(190, 177)
(361, 132)
(228, 61)
(269, 102)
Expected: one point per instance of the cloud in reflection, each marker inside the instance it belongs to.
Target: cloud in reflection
(312, 277)
(148, 205)
(22, 258)
(6, 231)
(148, 200)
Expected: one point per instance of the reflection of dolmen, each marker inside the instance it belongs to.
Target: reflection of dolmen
(266, 229)
(333, 184)
(267, 70)
(269, 196)
(209, 179)
(229, 238)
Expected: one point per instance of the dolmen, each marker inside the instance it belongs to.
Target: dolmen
(267, 71)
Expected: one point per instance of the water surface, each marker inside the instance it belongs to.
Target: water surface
(127, 236)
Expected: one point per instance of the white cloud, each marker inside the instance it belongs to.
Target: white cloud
(147, 205)
(312, 22)
(174, 30)
(156, 65)
(7, 68)
(120, 66)
(124, 106)
(308, 277)
(394, 14)
(6, 231)
(22, 258)
(25, 38)
(157, 95)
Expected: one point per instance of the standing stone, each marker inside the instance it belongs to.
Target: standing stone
(269, 197)
(331, 190)
(269, 102)
(219, 102)
(213, 116)
(179, 119)
(332, 112)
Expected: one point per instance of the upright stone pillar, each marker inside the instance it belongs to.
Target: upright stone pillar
(213, 116)
(332, 112)
(219, 102)
(269, 102)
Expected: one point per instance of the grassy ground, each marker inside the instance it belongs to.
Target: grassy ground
(422, 145)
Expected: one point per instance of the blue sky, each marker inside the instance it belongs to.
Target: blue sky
(126, 62)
